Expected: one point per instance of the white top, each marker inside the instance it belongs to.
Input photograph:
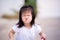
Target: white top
(24, 33)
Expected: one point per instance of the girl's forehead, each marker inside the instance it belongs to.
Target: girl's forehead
(27, 12)
(26, 9)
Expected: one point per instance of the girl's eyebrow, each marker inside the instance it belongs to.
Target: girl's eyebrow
(25, 14)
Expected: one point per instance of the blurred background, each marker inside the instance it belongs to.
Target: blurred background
(47, 11)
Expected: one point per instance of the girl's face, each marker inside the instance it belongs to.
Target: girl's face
(26, 16)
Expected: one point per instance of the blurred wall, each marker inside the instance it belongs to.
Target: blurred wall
(49, 18)
(6, 6)
(48, 8)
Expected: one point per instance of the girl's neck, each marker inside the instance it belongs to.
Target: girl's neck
(28, 25)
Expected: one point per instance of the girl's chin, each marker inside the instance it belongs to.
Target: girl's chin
(27, 22)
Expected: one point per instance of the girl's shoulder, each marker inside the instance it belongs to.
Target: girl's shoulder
(36, 25)
(15, 27)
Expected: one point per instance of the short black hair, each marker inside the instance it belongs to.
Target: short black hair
(20, 23)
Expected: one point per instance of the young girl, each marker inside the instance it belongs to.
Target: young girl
(26, 29)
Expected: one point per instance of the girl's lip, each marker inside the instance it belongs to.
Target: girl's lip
(26, 19)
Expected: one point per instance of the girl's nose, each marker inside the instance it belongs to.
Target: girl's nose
(26, 16)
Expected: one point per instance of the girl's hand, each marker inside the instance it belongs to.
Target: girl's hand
(11, 35)
(43, 36)
(10, 39)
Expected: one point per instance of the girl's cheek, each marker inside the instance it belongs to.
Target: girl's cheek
(30, 19)
(23, 18)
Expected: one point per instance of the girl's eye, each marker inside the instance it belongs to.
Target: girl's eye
(25, 15)
(28, 15)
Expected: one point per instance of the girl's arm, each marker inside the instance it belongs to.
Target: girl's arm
(11, 35)
(43, 36)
